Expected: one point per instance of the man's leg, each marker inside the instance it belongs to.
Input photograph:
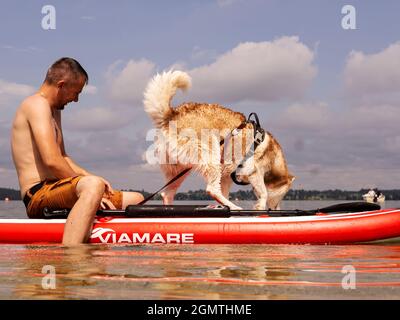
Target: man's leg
(90, 190)
(131, 198)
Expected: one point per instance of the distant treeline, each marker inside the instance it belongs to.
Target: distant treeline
(10, 194)
(337, 194)
(291, 195)
(249, 195)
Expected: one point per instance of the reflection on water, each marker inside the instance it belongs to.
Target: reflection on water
(201, 271)
(74, 268)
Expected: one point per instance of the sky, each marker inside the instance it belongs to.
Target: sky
(328, 93)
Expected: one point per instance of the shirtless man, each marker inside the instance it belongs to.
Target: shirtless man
(48, 177)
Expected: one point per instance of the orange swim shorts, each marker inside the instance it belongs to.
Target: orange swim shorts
(60, 194)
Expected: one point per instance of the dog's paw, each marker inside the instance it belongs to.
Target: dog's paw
(235, 207)
(259, 207)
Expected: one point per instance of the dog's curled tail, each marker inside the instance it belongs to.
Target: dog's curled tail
(159, 93)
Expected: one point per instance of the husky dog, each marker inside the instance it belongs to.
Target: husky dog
(183, 145)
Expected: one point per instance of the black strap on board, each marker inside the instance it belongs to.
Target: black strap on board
(214, 211)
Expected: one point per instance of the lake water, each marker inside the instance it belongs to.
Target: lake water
(367, 271)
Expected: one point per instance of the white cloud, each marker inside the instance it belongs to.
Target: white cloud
(90, 89)
(331, 149)
(252, 71)
(305, 116)
(127, 85)
(179, 65)
(367, 74)
(322, 144)
(346, 177)
(257, 71)
(105, 149)
(392, 144)
(15, 89)
(95, 119)
(199, 54)
(370, 120)
(5, 151)
(11, 94)
(144, 167)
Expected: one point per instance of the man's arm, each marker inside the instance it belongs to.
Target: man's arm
(74, 165)
(79, 170)
(82, 172)
(41, 122)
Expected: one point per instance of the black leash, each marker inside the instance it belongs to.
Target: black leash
(166, 185)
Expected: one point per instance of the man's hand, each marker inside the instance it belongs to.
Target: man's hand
(108, 192)
(106, 204)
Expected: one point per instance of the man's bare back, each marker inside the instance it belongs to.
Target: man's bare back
(28, 162)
